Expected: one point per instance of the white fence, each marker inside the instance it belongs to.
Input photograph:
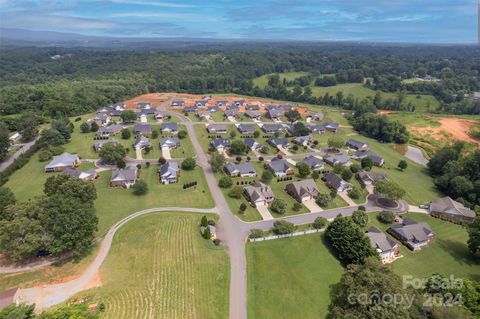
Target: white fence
(300, 233)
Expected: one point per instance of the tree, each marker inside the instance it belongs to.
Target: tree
(242, 208)
(207, 234)
(113, 153)
(256, 233)
(282, 227)
(64, 127)
(4, 141)
(323, 199)
(154, 134)
(182, 134)
(360, 218)
(74, 311)
(355, 168)
(303, 170)
(389, 189)
(94, 127)
(354, 193)
(161, 160)
(297, 206)
(315, 175)
(140, 188)
(279, 206)
(300, 129)
(20, 311)
(233, 134)
(6, 198)
(267, 176)
(386, 217)
(84, 128)
(349, 241)
(28, 127)
(256, 134)
(474, 236)
(319, 222)
(236, 192)
(128, 116)
(238, 147)
(217, 161)
(347, 174)
(225, 182)
(204, 221)
(72, 187)
(336, 142)
(402, 165)
(189, 164)
(51, 137)
(292, 116)
(126, 134)
(367, 163)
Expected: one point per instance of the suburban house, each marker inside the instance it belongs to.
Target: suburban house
(161, 115)
(370, 178)
(8, 297)
(203, 115)
(169, 128)
(143, 129)
(217, 129)
(412, 234)
(170, 142)
(101, 119)
(279, 167)
(386, 247)
(253, 107)
(313, 162)
(144, 105)
(377, 160)
(357, 145)
(97, 146)
(240, 103)
(190, 109)
(178, 103)
(220, 144)
(286, 107)
(332, 127)
(231, 113)
(221, 103)
(201, 103)
(168, 172)
(252, 144)
(278, 142)
(275, 114)
(334, 159)
(62, 162)
(447, 208)
(213, 109)
(272, 128)
(88, 175)
(259, 194)
(316, 116)
(302, 190)
(110, 130)
(303, 140)
(243, 169)
(124, 177)
(142, 142)
(316, 128)
(246, 128)
(232, 107)
(335, 182)
(253, 114)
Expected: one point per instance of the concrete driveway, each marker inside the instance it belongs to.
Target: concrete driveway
(263, 210)
(166, 153)
(138, 152)
(284, 150)
(345, 197)
(312, 206)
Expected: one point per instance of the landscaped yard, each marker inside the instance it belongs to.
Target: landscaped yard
(160, 267)
(291, 278)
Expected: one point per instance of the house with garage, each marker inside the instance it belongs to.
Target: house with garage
(161, 116)
(272, 128)
(144, 105)
(357, 145)
(252, 107)
(313, 162)
(275, 114)
(337, 158)
(377, 159)
(201, 103)
(451, 210)
(239, 103)
(279, 167)
(303, 140)
(142, 142)
(97, 146)
(252, 144)
(222, 103)
(168, 172)
(102, 119)
(335, 182)
(142, 129)
(316, 128)
(242, 169)
(247, 128)
(169, 142)
(302, 190)
(315, 116)
(110, 130)
(213, 109)
(220, 144)
(231, 113)
(332, 127)
(62, 162)
(278, 142)
(412, 234)
(203, 115)
(217, 129)
(370, 178)
(88, 175)
(124, 177)
(259, 194)
(387, 248)
(178, 103)
(190, 109)
(169, 128)
(254, 115)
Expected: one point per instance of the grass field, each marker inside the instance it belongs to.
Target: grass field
(290, 278)
(262, 81)
(160, 267)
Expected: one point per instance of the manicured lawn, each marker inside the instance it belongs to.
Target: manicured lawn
(336, 202)
(447, 255)
(160, 267)
(290, 278)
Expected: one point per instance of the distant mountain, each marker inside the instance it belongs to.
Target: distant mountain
(42, 36)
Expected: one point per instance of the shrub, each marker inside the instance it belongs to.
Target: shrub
(256, 233)
(204, 221)
(315, 175)
(347, 174)
(206, 233)
(323, 200)
(182, 134)
(303, 170)
(140, 188)
(154, 134)
(126, 134)
(85, 128)
(319, 222)
(367, 163)
(360, 218)
(279, 206)
(236, 192)
(386, 217)
(243, 207)
(295, 147)
(355, 168)
(162, 160)
(94, 127)
(297, 206)
(44, 156)
(282, 227)
(189, 164)
(267, 176)
(225, 182)
(354, 193)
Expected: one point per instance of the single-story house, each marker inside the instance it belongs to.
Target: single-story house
(232, 107)
(124, 177)
(203, 114)
(190, 109)
(201, 103)
(313, 162)
(447, 208)
(144, 105)
(247, 128)
(243, 169)
(272, 128)
(286, 107)
(8, 297)
(252, 144)
(142, 142)
(259, 194)
(101, 119)
(169, 128)
(253, 114)
(143, 129)
(335, 182)
(170, 142)
(303, 140)
(302, 190)
(117, 113)
(278, 142)
(213, 109)
(220, 144)
(161, 115)
(178, 103)
(370, 178)
(253, 107)
(269, 107)
(279, 167)
(332, 127)
(412, 234)
(275, 114)
(240, 103)
(110, 130)
(221, 103)
(334, 159)
(62, 162)
(97, 146)
(88, 175)
(316, 116)
(357, 145)
(168, 172)
(217, 129)
(316, 128)
(232, 113)
(377, 160)
(386, 247)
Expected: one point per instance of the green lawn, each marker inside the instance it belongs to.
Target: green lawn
(290, 278)
(160, 267)
(262, 81)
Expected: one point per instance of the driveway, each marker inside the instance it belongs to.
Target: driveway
(312, 206)
(166, 153)
(138, 152)
(284, 151)
(9, 160)
(263, 210)
(345, 197)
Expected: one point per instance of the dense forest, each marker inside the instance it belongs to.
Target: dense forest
(81, 80)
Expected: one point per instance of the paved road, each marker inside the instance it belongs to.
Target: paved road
(25, 147)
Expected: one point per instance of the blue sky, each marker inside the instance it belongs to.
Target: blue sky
(440, 21)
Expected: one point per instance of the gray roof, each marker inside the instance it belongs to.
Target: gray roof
(332, 180)
(169, 170)
(375, 158)
(336, 158)
(216, 127)
(63, 160)
(251, 142)
(110, 129)
(258, 191)
(253, 114)
(332, 125)
(141, 128)
(253, 107)
(302, 139)
(231, 112)
(241, 168)
(379, 240)
(190, 108)
(272, 127)
(178, 103)
(171, 126)
(301, 188)
(98, 144)
(449, 206)
(167, 141)
(412, 231)
(312, 161)
(274, 113)
(278, 165)
(316, 127)
(225, 142)
(356, 144)
(141, 142)
(371, 176)
(80, 174)
(247, 128)
(124, 174)
(281, 141)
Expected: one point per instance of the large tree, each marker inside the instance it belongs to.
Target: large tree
(128, 116)
(217, 161)
(335, 142)
(389, 189)
(69, 186)
(292, 116)
(4, 141)
(28, 127)
(113, 153)
(6, 198)
(238, 147)
(64, 126)
(474, 236)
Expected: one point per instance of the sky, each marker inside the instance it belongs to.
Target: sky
(423, 21)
